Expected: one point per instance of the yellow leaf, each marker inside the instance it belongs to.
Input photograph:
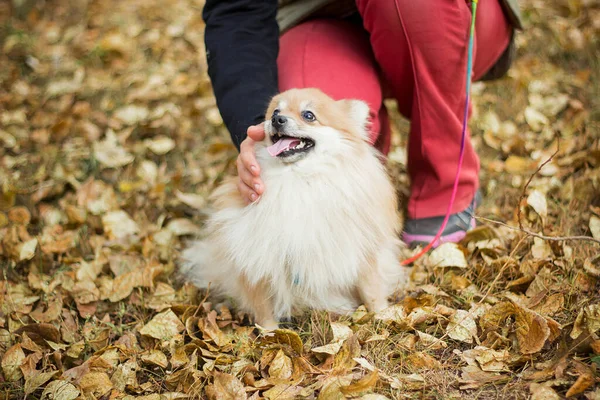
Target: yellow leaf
(362, 385)
(160, 145)
(430, 341)
(537, 201)
(155, 357)
(462, 327)
(226, 387)
(95, 384)
(60, 390)
(595, 227)
(118, 225)
(163, 326)
(28, 249)
(420, 360)
(11, 363)
(447, 255)
(281, 366)
(543, 391)
(37, 380)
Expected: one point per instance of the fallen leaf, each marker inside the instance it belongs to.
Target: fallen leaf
(163, 326)
(341, 332)
(160, 145)
(362, 385)
(281, 366)
(118, 225)
(110, 154)
(155, 357)
(462, 327)
(535, 119)
(394, 313)
(11, 363)
(37, 380)
(595, 227)
(226, 387)
(537, 201)
(132, 114)
(583, 382)
(543, 391)
(28, 250)
(419, 360)
(447, 255)
(95, 384)
(532, 330)
(541, 249)
(60, 390)
(430, 341)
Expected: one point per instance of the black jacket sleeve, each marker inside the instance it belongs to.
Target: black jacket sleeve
(242, 44)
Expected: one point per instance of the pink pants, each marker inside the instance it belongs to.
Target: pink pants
(415, 52)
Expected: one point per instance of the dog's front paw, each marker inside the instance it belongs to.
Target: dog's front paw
(269, 325)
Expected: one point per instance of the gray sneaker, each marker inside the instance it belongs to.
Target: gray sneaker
(421, 231)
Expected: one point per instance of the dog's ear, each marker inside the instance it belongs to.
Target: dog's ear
(359, 112)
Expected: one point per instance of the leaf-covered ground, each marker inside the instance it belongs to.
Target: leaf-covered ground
(111, 142)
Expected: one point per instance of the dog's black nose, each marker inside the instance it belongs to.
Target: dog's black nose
(278, 121)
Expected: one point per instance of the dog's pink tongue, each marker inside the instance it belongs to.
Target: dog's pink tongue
(282, 145)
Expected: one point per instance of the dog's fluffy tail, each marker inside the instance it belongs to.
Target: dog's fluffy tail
(194, 262)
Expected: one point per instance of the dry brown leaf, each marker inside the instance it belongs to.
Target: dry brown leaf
(155, 357)
(364, 384)
(163, 326)
(430, 341)
(532, 330)
(27, 250)
(473, 377)
(281, 366)
(11, 363)
(447, 255)
(110, 154)
(462, 327)
(537, 201)
(583, 382)
(595, 227)
(118, 225)
(420, 360)
(160, 145)
(543, 391)
(226, 387)
(60, 390)
(394, 313)
(341, 332)
(488, 360)
(95, 384)
(33, 382)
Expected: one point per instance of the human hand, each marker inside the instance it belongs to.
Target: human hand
(250, 185)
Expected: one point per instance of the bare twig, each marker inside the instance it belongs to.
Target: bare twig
(543, 237)
(529, 181)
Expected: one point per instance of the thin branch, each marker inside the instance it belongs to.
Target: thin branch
(543, 237)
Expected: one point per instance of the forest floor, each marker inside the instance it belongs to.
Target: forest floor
(111, 142)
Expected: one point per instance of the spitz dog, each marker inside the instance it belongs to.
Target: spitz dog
(325, 233)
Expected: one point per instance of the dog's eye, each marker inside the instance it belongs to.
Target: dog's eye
(276, 111)
(309, 116)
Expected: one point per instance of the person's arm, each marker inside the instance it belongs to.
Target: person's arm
(242, 44)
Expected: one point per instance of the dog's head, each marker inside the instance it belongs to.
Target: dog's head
(306, 123)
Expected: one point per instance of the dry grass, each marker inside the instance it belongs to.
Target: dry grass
(81, 304)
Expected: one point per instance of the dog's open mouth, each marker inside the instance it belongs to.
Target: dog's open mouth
(285, 146)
